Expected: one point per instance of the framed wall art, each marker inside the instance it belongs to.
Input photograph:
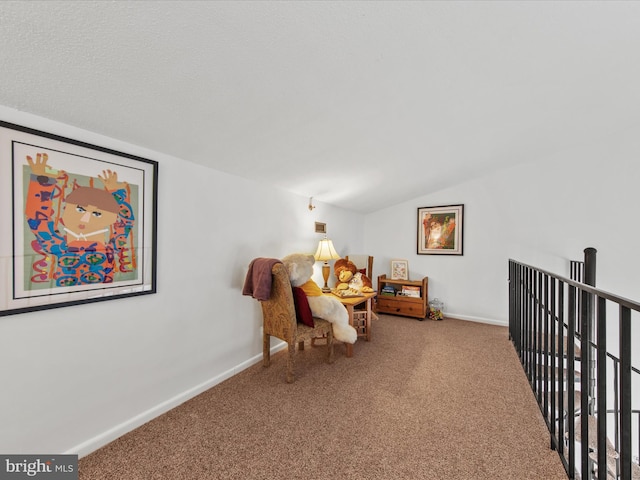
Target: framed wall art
(440, 230)
(399, 270)
(78, 222)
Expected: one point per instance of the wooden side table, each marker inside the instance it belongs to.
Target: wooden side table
(358, 319)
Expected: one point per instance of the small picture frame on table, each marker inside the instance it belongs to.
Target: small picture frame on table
(399, 270)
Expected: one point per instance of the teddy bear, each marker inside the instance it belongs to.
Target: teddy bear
(300, 268)
(350, 278)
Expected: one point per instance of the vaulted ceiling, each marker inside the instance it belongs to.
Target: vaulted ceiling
(361, 104)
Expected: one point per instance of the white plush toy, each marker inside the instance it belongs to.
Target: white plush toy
(300, 268)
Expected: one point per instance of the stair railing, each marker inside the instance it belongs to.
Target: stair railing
(558, 325)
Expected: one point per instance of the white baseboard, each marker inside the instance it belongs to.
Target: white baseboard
(490, 321)
(93, 444)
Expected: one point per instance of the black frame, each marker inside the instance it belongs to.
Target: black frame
(16, 296)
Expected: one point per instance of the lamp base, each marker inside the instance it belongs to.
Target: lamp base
(325, 275)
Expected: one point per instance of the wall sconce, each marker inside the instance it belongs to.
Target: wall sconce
(325, 253)
(311, 205)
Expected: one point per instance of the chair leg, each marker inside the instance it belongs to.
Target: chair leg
(314, 339)
(266, 350)
(291, 362)
(330, 345)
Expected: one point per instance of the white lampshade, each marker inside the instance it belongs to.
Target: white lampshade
(326, 251)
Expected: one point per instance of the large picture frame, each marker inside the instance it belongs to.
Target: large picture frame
(440, 230)
(78, 222)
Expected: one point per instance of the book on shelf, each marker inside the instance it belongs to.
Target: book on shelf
(411, 291)
(388, 290)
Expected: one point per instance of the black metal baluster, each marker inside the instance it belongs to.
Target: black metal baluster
(548, 341)
(585, 380)
(555, 368)
(616, 403)
(602, 388)
(571, 335)
(521, 310)
(561, 429)
(625, 391)
(529, 326)
(512, 302)
(541, 347)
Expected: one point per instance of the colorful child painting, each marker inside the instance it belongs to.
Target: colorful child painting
(82, 233)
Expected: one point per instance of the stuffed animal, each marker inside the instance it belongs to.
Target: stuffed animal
(350, 278)
(300, 268)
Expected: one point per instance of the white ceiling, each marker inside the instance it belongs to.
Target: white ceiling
(358, 104)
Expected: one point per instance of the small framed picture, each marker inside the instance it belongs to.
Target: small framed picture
(399, 270)
(440, 230)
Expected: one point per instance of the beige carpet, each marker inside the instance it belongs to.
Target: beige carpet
(422, 400)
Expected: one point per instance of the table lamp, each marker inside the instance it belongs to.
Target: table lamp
(325, 253)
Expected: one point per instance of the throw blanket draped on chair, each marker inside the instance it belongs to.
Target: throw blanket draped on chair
(258, 281)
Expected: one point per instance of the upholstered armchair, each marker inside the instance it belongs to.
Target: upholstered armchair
(279, 319)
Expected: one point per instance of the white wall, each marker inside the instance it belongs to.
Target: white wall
(75, 378)
(543, 214)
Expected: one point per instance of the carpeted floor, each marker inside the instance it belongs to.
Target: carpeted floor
(422, 400)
